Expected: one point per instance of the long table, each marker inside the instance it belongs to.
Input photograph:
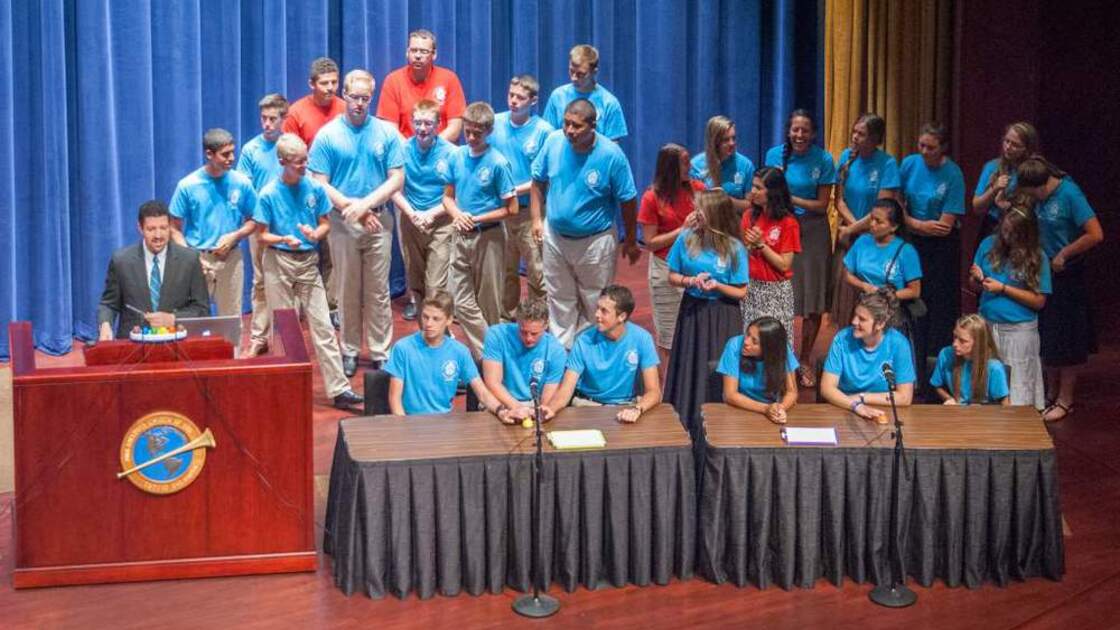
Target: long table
(978, 498)
(441, 503)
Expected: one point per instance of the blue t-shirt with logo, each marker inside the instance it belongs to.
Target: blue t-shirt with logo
(356, 160)
(861, 370)
(520, 145)
(1061, 216)
(609, 120)
(430, 375)
(988, 174)
(426, 172)
(804, 173)
(483, 182)
(210, 207)
(259, 161)
(734, 270)
(584, 189)
(545, 360)
(871, 262)
(1000, 308)
(943, 377)
(866, 177)
(735, 173)
(931, 192)
(752, 382)
(608, 369)
(283, 207)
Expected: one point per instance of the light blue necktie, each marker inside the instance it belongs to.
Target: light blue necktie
(154, 283)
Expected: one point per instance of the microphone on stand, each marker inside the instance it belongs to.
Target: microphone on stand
(535, 389)
(888, 373)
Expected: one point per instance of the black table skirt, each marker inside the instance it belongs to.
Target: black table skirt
(450, 525)
(789, 516)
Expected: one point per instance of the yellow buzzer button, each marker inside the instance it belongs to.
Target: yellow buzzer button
(527, 423)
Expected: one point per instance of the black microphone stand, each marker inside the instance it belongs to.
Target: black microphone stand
(538, 604)
(897, 595)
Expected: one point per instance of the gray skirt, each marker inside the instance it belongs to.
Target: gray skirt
(770, 298)
(1018, 348)
(665, 299)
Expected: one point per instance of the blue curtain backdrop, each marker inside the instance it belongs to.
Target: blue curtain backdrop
(103, 102)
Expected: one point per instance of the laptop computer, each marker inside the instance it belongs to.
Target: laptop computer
(225, 326)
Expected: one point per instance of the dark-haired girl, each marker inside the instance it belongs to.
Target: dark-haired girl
(758, 370)
(1068, 228)
(773, 237)
(810, 174)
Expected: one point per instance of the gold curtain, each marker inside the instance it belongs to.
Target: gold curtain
(891, 57)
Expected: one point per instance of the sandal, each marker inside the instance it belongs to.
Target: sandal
(1049, 413)
(805, 377)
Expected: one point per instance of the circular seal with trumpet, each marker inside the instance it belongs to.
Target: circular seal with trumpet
(163, 452)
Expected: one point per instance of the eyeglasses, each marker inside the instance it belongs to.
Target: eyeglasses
(420, 51)
(358, 99)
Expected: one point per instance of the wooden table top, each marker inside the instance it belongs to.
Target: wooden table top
(468, 434)
(983, 427)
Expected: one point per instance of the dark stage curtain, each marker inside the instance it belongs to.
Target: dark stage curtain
(103, 103)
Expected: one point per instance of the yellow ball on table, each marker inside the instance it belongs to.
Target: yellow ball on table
(527, 423)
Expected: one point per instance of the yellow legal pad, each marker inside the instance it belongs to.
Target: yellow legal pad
(576, 440)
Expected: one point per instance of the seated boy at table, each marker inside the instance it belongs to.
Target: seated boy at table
(516, 354)
(426, 367)
(604, 362)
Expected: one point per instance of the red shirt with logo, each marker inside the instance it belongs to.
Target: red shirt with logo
(783, 236)
(399, 94)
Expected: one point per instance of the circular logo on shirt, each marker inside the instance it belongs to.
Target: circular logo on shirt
(379, 148)
(632, 358)
(484, 175)
(873, 176)
(721, 265)
(816, 174)
(441, 166)
(1050, 209)
(738, 179)
(450, 370)
(440, 93)
(592, 178)
(537, 367)
(774, 234)
(311, 201)
(890, 270)
(942, 188)
(529, 146)
(234, 197)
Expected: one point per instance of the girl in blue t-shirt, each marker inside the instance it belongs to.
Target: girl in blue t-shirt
(758, 370)
(866, 174)
(997, 179)
(1068, 228)
(971, 364)
(882, 259)
(853, 376)
(721, 166)
(1014, 278)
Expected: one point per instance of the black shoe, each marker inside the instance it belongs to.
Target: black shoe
(409, 313)
(348, 400)
(336, 321)
(376, 365)
(349, 365)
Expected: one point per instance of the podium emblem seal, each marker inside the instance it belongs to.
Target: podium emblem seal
(164, 452)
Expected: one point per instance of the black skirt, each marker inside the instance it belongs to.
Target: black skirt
(1065, 325)
(941, 292)
(703, 328)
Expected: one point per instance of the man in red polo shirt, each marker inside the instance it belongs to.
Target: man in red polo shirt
(422, 79)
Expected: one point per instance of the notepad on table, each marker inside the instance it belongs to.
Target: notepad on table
(581, 439)
(807, 435)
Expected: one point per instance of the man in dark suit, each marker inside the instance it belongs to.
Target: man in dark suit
(156, 276)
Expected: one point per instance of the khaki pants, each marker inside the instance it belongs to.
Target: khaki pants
(427, 256)
(225, 280)
(575, 271)
(361, 269)
(520, 246)
(261, 324)
(475, 279)
(292, 280)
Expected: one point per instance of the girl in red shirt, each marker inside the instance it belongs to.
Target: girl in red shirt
(773, 236)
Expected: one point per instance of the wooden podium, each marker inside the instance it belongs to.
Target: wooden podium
(249, 510)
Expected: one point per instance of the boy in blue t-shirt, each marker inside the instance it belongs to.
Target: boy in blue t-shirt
(517, 355)
(519, 135)
(605, 361)
(583, 66)
(479, 196)
(426, 368)
(211, 211)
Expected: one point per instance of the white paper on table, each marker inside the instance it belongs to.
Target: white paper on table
(583, 438)
(806, 435)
